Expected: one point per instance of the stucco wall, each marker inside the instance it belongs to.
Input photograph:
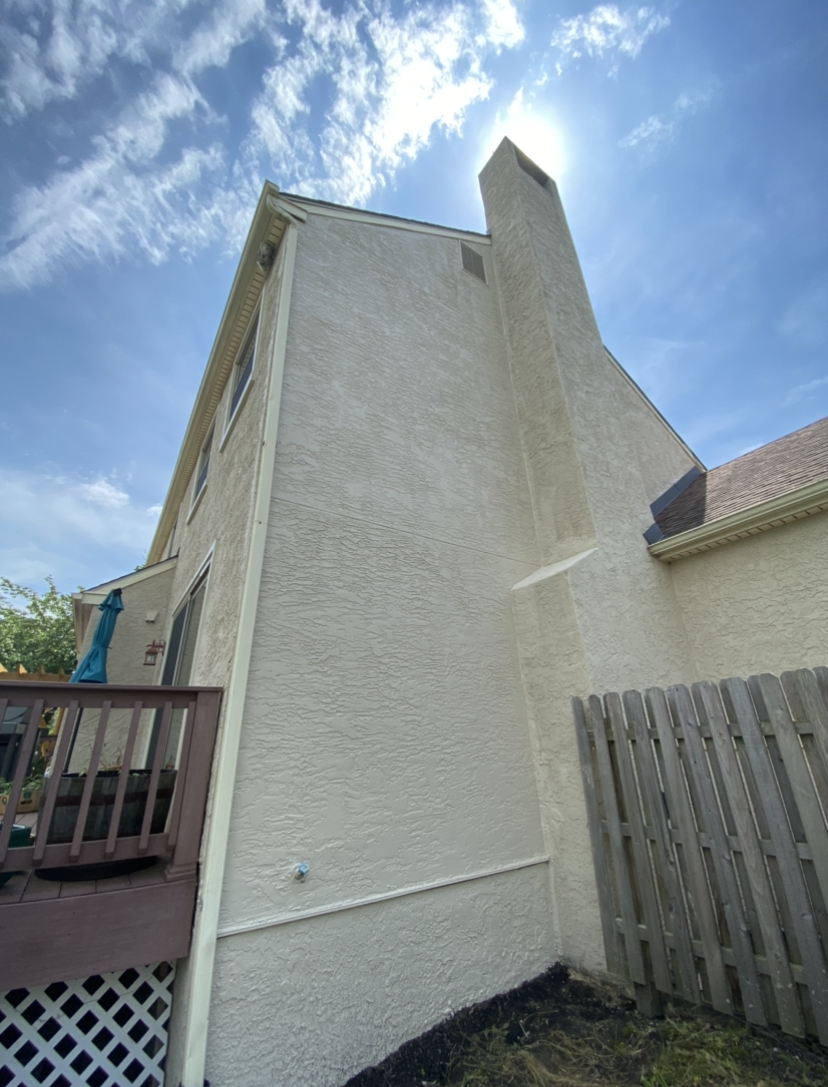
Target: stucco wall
(221, 520)
(604, 616)
(384, 739)
(350, 969)
(759, 604)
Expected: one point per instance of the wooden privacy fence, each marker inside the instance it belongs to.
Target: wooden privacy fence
(707, 814)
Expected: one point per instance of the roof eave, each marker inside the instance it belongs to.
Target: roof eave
(270, 212)
(791, 506)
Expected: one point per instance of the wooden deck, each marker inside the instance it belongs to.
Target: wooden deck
(56, 931)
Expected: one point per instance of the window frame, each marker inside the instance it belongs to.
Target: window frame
(175, 652)
(202, 466)
(249, 349)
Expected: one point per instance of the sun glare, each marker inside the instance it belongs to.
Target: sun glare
(532, 130)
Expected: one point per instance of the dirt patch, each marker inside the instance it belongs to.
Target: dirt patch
(562, 1030)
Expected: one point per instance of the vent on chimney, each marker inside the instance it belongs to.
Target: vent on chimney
(529, 167)
(472, 262)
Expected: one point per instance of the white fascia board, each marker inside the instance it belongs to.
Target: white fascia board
(781, 510)
(98, 593)
(376, 219)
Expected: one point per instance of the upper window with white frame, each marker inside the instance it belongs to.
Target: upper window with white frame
(203, 466)
(243, 370)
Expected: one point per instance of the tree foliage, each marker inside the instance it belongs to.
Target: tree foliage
(36, 629)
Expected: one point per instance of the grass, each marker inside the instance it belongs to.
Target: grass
(690, 1051)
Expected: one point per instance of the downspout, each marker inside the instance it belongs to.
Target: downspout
(205, 929)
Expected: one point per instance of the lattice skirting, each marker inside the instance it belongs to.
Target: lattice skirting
(110, 1029)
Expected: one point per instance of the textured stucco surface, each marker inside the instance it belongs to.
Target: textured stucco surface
(397, 406)
(223, 518)
(759, 604)
(385, 702)
(597, 455)
(385, 741)
(315, 1001)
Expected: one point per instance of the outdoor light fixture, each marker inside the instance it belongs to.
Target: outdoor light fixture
(152, 651)
(266, 255)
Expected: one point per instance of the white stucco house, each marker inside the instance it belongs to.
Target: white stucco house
(406, 525)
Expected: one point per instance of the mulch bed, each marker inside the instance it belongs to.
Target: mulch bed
(563, 1030)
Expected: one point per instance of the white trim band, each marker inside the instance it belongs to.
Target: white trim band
(377, 219)
(545, 572)
(370, 900)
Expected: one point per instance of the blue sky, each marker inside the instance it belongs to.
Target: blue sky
(689, 140)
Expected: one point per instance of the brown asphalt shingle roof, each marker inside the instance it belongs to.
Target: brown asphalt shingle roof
(768, 472)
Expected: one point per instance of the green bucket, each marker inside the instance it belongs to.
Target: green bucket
(19, 840)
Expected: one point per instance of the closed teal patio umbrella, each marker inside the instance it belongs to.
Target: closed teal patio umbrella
(92, 669)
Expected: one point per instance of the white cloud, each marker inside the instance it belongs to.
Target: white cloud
(50, 51)
(606, 31)
(504, 26)
(154, 511)
(658, 130)
(349, 98)
(102, 493)
(391, 81)
(651, 132)
(806, 320)
(76, 531)
(804, 392)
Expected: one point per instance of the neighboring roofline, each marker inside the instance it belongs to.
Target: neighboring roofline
(637, 388)
(83, 603)
(90, 596)
(269, 222)
(378, 218)
(784, 508)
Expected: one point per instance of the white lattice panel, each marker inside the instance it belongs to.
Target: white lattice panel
(110, 1029)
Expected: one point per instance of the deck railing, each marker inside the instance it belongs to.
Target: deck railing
(141, 757)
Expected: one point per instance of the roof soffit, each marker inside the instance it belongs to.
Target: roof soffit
(270, 221)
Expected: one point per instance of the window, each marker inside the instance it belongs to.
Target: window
(178, 667)
(203, 466)
(243, 369)
(178, 664)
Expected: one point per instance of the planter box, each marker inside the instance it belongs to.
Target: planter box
(29, 801)
(19, 840)
(102, 802)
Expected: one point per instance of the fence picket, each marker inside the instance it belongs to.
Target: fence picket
(664, 855)
(709, 702)
(632, 941)
(728, 889)
(680, 807)
(793, 881)
(599, 858)
(640, 849)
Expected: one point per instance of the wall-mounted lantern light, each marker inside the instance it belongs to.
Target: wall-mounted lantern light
(152, 651)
